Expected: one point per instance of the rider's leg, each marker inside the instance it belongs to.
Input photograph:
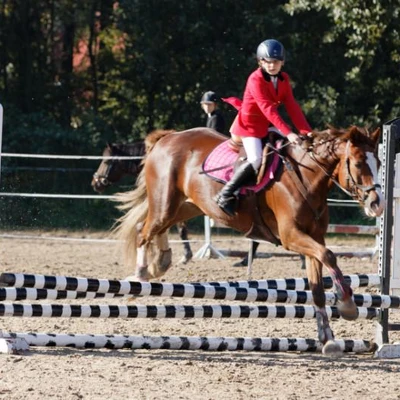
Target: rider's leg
(245, 174)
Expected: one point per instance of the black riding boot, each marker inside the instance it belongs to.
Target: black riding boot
(226, 198)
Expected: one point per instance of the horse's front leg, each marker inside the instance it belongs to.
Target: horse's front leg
(325, 333)
(306, 245)
(346, 305)
(318, 255)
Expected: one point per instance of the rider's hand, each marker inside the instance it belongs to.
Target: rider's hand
(294, 138)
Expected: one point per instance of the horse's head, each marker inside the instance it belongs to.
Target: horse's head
(357, 171)
(109, 170)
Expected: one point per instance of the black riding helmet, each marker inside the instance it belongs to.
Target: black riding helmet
(209, 97)
(271, 48)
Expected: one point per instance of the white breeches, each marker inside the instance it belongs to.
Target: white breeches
(253, 148)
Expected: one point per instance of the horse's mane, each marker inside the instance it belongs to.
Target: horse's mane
(153, 137)
(355, 133)
(136, 148)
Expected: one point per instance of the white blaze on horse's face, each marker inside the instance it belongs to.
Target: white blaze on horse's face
(373, 166)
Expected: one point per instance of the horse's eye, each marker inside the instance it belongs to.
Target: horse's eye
(358, 165)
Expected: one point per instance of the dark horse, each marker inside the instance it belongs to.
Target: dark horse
(292, 212)
(111, 170)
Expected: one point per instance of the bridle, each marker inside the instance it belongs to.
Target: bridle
(126, 163)
(103, 179)
(353, 189)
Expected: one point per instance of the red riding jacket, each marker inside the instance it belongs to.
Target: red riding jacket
(259, 108)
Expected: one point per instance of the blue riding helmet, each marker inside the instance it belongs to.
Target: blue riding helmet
(271, 49)
(209, 97)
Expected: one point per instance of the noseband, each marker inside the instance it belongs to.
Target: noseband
(354, 188)
(103, 179)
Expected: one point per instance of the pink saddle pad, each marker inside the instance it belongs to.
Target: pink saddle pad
(220, 162)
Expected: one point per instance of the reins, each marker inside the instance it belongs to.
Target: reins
(353, 189)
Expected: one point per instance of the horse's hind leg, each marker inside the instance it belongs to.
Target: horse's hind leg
(187, 251)
(141, 274)
(159, 219)
(162, 261)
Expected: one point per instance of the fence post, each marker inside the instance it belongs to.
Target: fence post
(1, 135)
(207, 250)
(385, 237)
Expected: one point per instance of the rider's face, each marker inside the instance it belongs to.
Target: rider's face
(208, 107)
(271, 66)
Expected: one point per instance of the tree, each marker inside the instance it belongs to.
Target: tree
(367, 33)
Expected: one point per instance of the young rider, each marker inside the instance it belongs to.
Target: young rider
(215, 120)
(266, 88)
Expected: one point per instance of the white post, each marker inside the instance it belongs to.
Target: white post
(395, 275)
(1, 134)
(386, 350)
(207, 250)
(250, 260)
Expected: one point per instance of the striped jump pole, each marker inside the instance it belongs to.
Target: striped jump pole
(18, 294)
(354, 281)
(354, 229)
(172, 311)
(128, 287)
(233, 293)
(183, 342)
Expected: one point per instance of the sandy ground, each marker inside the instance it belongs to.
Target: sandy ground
(46, 373)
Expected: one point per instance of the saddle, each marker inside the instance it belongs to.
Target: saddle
(222, 162)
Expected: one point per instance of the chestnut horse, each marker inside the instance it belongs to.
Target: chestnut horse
(111, 170)
(292, 212)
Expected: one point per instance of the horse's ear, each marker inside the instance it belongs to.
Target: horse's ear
(355, 134)
(376, 135)
(353, 130)
(109, 145)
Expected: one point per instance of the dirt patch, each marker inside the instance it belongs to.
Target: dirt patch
(161, 374)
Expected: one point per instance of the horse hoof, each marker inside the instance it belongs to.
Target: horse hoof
(242, 263)
(131, 299)
(332, 349)
(184, 260)
(135, 278)
(348, 310)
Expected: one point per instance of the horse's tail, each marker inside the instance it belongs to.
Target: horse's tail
(153, 137)
(135, 204)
